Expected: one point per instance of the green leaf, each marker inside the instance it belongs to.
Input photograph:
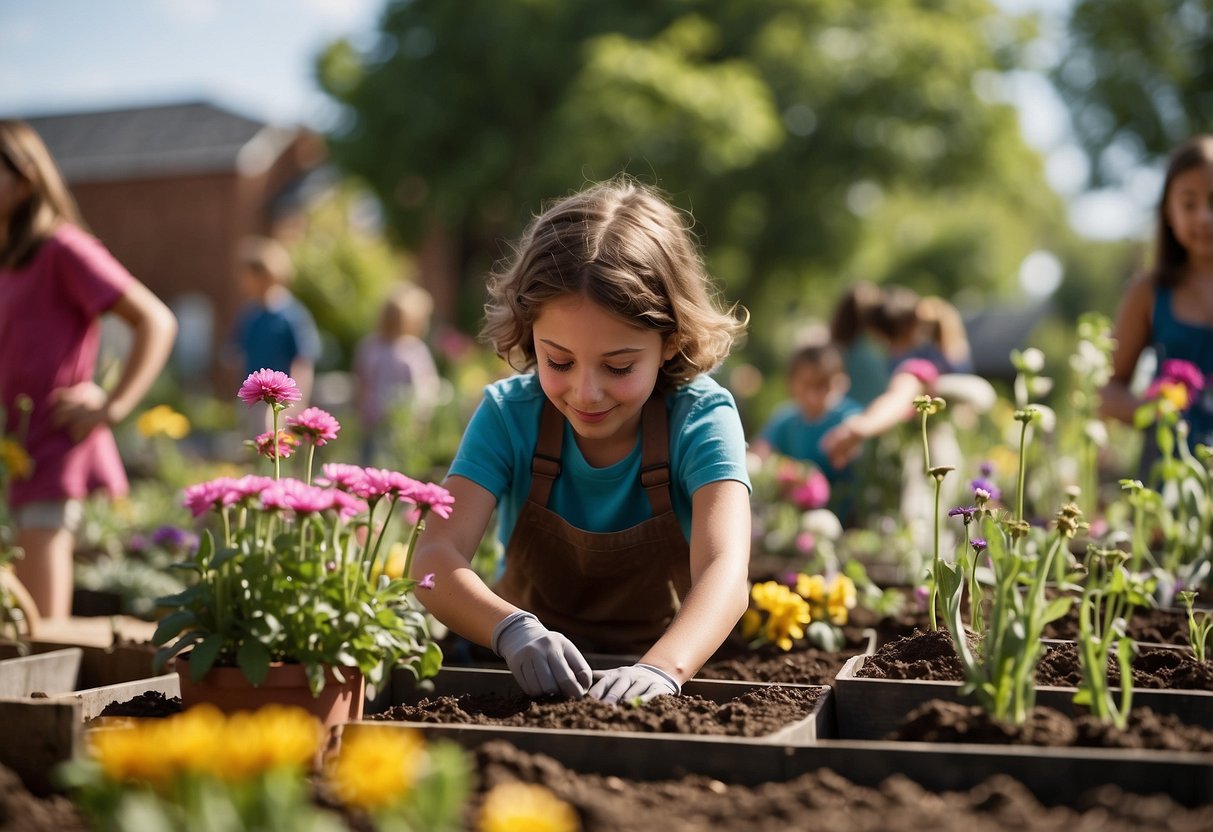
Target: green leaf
(1057, 608)
(254, 661)
(172, 624)
(203, 657)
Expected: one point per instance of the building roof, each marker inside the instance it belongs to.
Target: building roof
(155, 141)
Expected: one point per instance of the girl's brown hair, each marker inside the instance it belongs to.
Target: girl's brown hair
(854, 310)
(1170, 255)
(50, 202)
(623, 246)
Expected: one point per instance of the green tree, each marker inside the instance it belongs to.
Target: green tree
(1138, 78)
(773, 121)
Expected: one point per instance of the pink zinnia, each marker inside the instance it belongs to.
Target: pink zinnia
(213, 494)
(315, 424)
(297, 496)
(1176, 369)
(813, 493)
(342, 475)
(270, 386)
(433, 497)
(287, 442)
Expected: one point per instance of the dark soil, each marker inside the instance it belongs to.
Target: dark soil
(942, 721)
(798, 666)
(756, 713)
(823, 800)
(930, 655)
(150, 703)
(1154, 626)
(21, 811)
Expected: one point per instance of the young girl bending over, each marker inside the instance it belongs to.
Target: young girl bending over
(615, 463)
(1170, 307)
(55, 283)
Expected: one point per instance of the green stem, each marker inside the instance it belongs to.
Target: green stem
(1023, 467)
(274, 440)
(408, 557)
(935, 560)
(311, 453)
(926, 446)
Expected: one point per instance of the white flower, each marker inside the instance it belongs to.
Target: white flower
(822, 524)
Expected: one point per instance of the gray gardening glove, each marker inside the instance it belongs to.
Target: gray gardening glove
(544, 662)
(643, 681)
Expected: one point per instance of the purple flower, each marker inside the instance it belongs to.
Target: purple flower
(315, 424)
(427, 582)
(171, 537)
(986, 468)
(270, 386)
(962, 511)
(988, 486)
(978, 544)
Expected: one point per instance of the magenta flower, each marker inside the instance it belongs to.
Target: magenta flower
(316, 425)
(287, 442)
(298, 496)
(341, 475)
(1175, 369)
(427, 582)
(978, 544)
(269, 386)
(813, 492)
(805, 543)
(210, 495)
(435, 498)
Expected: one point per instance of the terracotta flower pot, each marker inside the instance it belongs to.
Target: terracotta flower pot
(285, 684)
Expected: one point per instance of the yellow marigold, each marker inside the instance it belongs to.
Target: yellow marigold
(162, 419)
(123, 756)
(377, 766)
(841, 600)
(522, 807)
(15, 460)
(811, 587)
(787, 613)
(273, 737)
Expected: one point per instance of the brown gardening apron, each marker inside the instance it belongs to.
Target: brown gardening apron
(613, 592)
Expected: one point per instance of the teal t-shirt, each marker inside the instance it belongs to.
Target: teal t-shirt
(707, 444)
(791, 434)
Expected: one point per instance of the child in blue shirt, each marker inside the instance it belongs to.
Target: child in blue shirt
(615, 464)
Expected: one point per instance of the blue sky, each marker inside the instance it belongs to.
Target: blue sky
(256, 57)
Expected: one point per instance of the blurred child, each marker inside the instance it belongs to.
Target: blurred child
(273, 330)
(1169, 308)
(945, 330)
(863, 354)
(817, 384)
(394, 367)
(56, 281)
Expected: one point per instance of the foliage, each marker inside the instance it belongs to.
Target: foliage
(815, 142)
(201, 769)
(1108, 597)
(1136, 77)
(15, 464)
(1199, 626)
(297, 573)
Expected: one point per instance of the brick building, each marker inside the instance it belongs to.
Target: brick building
(172, 189)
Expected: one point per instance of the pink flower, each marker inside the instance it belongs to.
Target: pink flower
(341, 475)
(270, 386)
(251, 486)
(433, 497)
(1175, 369)
(315, 424)
(287, 442)
(427, 582)
(921, 369)
(805, 543)
(297, 496)
(212, 494)
(813, 493)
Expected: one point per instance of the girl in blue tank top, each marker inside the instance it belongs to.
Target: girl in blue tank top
(1170, 307)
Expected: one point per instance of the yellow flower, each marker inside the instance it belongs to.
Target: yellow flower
(162, 419)
(393, 565)
(272, 737)
(841, 600)
(1174, 392)
(15, 460)
(377, 766)
(123, 756)
(787, 613)
(811, 587)
(522, 807)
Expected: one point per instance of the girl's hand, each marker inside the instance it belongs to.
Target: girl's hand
(79, 408)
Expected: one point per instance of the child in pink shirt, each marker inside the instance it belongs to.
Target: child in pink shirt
(55, 282)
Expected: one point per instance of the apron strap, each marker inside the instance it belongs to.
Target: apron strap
(655, 455)
(654, 458)
(545, 464)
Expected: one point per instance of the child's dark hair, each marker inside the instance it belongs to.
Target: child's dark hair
(822, 355)
(50, 203)
(854, 310)
(1170, 256)
(898, 316)
(623, 246)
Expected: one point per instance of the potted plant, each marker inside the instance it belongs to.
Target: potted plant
(291, 587)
